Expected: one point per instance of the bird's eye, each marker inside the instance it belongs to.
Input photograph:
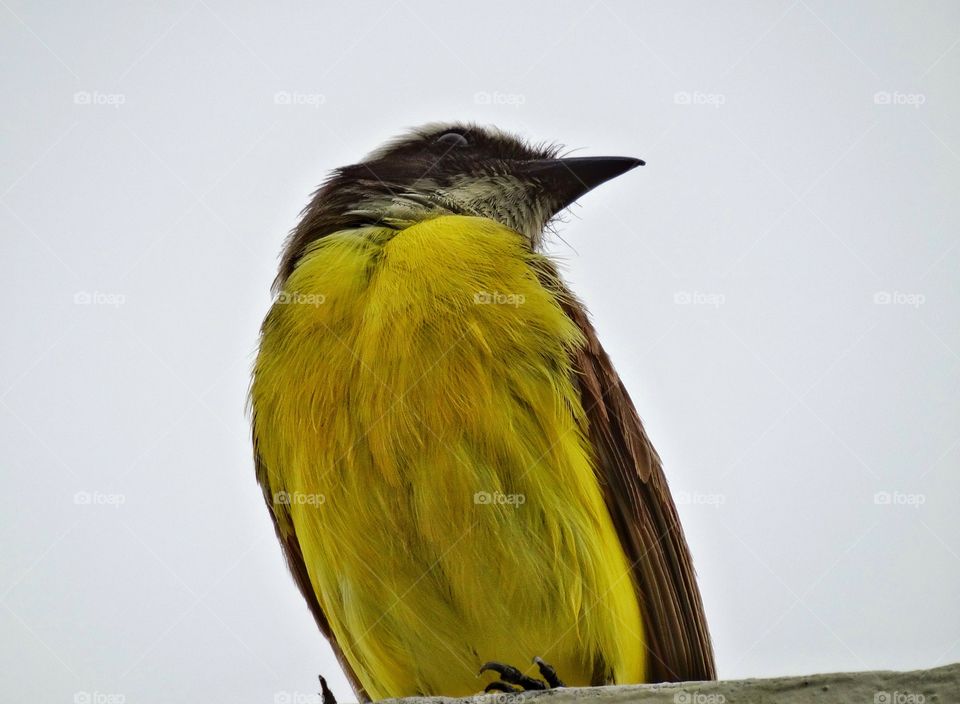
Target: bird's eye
(451, 140)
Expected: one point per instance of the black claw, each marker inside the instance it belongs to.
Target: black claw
(513, 676)
(499, 686)
(549, 673)
(326, 696)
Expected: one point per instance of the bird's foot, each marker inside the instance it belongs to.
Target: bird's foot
(513, 680)
(326, 696)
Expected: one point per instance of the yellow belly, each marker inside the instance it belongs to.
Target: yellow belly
(413, 399)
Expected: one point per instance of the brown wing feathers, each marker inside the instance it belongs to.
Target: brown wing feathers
(645, 517)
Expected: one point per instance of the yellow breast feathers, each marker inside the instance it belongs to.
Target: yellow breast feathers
(416, 408)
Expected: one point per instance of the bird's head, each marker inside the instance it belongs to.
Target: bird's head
(443, 169)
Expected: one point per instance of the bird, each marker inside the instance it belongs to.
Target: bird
(462, 488)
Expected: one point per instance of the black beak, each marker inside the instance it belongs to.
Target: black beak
(569, 179)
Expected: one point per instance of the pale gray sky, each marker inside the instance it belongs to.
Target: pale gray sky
(778, 288)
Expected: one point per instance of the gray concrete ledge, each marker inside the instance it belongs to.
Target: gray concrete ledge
(940, 685)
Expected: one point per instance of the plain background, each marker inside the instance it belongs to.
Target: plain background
(778, 288)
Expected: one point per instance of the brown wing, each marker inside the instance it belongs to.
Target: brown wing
(639, 501)
(294, 556)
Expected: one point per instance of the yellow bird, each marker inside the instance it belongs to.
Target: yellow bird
(455, 471)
